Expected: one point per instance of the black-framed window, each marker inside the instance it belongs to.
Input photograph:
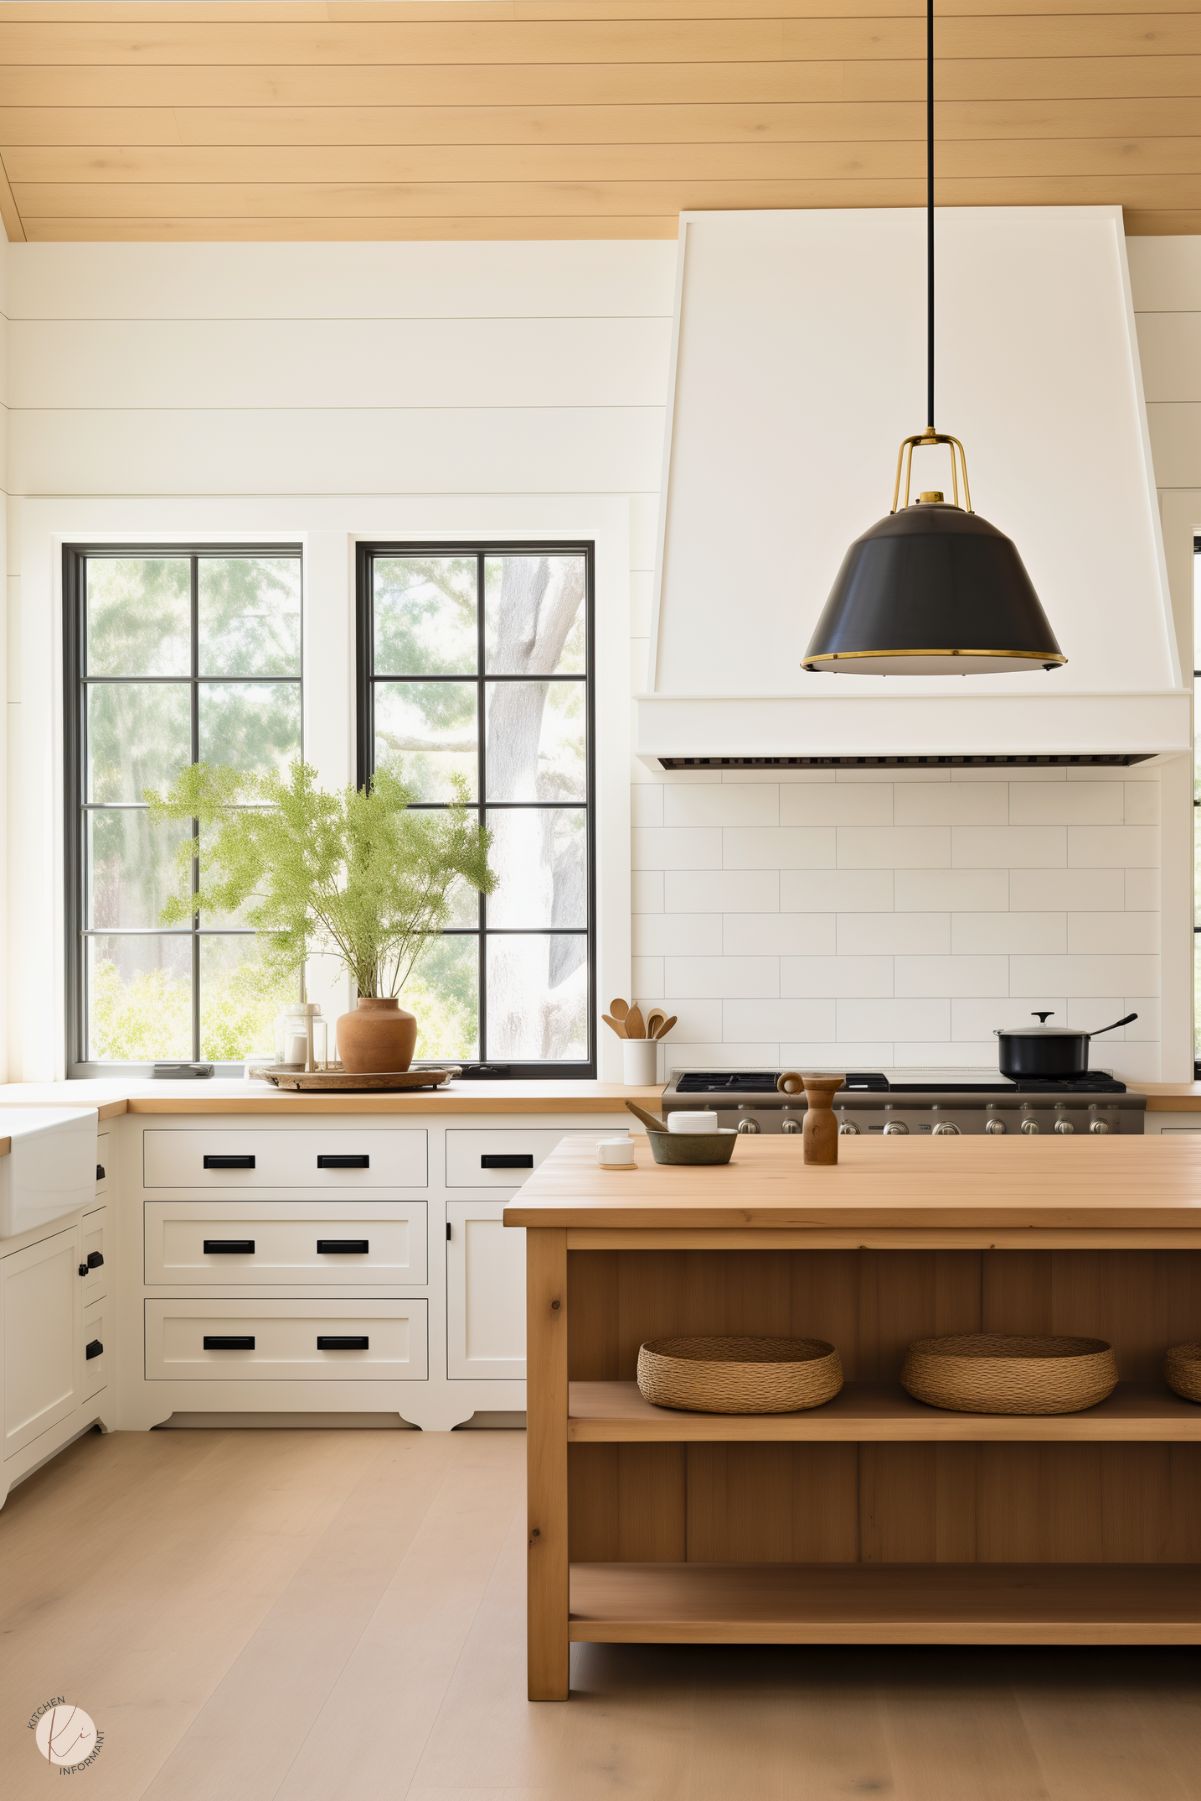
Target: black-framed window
(475, 661)
(173, 654)
(1196, 810)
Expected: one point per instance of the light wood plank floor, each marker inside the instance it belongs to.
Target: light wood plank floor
(338, 1616)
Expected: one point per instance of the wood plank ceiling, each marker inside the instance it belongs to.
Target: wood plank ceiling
(580, 118)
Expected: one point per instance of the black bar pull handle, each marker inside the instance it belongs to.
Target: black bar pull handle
(95, 1259)
(93, 1349)
(327, 1341)
(343, 1247)
(228, 1247)
(343, 1160)
(507, 1160)
(100, 1172)
(229, 1341)
(223, 1162)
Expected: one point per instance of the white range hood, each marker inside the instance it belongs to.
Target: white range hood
(798, 367)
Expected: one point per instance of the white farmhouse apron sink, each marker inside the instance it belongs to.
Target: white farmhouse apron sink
(51, 1169)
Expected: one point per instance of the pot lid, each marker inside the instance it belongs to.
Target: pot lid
(1040, 1031)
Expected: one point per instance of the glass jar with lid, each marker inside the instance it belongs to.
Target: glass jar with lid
(302, 1037)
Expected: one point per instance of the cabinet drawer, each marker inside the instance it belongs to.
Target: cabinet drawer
(93, 1253)
(178, 1158)
(103, 1161)
(94, 1349)
(476, 1159)
(243, 1243)
(286, 1341)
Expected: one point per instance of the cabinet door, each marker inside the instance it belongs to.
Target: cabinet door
(485, 1294)
(40, 1310)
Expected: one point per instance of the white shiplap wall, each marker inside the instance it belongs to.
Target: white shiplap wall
(154, 386)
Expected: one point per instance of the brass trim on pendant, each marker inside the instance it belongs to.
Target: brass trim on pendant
(847, 656)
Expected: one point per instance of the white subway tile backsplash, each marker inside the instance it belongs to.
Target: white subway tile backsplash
(1008, 846)
(836, 975)
(835, 1054)
(836, 890)
(698, 1021)
(977, 1020)
(646, 891)
(867, 803)
(1135, 1063)
(778, 934)
(646, 804)
(681, 1054)
(1090, 1016)
(679, 934)
(974, 934)
(1064, 890)
(981, 1057)
(893, 934)
(1141, 890)
(715, 804)
(1110, 932)
(953, 803)
(646, 975)
(722, 976)
(1067, 803)
(1102, 846)
(1141, 803)
(952, 975)
(779, 1019)
(894, 847)
(1079, 977)
(1146, 1026)
(722, 891)
(663, 849)
(927, 1021)
(779, 847)
(956, 890)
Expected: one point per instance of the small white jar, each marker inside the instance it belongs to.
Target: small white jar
(692, 1121)
(615, 1153)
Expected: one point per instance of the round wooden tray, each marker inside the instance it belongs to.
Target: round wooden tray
(739, 1375)
(1182, 1369)
(995, 1372)
(337, 1079)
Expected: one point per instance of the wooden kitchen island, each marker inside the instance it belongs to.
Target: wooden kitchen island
(874, 1519)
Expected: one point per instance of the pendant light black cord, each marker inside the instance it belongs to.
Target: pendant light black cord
(930, 213)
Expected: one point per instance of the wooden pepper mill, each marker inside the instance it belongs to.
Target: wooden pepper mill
(821, 1127)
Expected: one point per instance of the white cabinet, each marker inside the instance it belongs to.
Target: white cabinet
(1167, 1124)
(286, 1341)
(318, 1158)
(485, 1293)
(40, 1317)
(244, 1243)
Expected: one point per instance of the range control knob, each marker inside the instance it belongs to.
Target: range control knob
(1096, 1123)
(1029, 1124)
(847, 1128)
(994, 1125)
(1062, 1122)
(946, 1128)
(789, 1123)
(895, 1128)
(746, 1124)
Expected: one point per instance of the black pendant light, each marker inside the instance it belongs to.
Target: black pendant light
(932, 589)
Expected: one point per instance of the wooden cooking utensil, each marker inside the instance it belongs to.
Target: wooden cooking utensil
(665, 1027)
(619, 1008)
(616, 1024)
(635, 1024)
(648, 1119)
(654, 1020)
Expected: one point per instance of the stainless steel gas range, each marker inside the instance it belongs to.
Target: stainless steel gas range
(906, 1102)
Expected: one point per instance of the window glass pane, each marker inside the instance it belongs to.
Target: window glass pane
(425, 615)
(444, 992)
(537, 998)
(139, 737)
(536, 740)
(239, 999)
(534, 615)
(253, 726)
(133, 867)
(249, 615)
(139, 998)
(426, 732)
(540, 858)
(138, 616)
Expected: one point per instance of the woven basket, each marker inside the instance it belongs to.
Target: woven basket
(739, 1375)
(994, 1372)
(1182, 1367)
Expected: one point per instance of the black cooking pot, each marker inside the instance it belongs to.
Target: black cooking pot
(1047, 1051)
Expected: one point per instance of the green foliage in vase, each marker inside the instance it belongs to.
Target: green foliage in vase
(358, 872)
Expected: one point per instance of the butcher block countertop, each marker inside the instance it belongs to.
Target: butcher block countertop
(216, 1096)
(1108, 1184)
(1171, 1097)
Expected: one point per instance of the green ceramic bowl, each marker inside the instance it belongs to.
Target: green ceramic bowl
(693, 1147)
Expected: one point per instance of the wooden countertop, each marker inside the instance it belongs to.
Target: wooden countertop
(111, 1098)
(1171, 1097)
(1073, 1183)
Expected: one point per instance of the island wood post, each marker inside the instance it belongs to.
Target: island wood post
(546, 1463)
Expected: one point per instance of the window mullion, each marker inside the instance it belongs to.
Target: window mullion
(194, 695)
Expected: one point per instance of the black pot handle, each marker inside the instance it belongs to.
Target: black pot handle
(1113, 1028)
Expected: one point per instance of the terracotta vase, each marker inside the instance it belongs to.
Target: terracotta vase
(821, 1127)
(378, 1037)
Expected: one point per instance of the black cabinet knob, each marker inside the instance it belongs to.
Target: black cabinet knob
(83, 1269)
(507, 1160)
(95, 1259)
(228, 1341)
(100, 1172)
(228, 1247)
(327, 1341)
(343, 1247)
(327, 1160)
(212, 1161)
(94, 1349)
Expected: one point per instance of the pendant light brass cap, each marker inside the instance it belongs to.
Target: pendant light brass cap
(932, 590)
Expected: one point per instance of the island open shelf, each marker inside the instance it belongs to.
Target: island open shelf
(873, 1519)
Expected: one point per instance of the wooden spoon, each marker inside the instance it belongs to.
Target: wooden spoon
(665, 1026)
(654, 1020)
(648, 1119)
(619, 1008)
(616, 1024)
(635, 1024)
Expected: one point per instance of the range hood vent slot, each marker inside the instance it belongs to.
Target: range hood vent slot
(1109, 760)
